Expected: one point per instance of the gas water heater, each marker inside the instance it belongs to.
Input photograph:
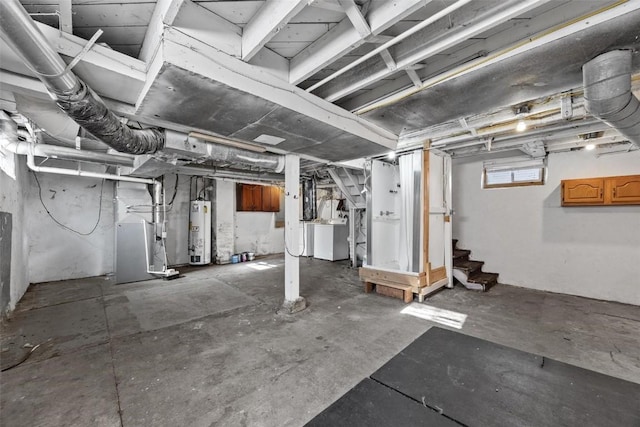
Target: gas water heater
(200, 232)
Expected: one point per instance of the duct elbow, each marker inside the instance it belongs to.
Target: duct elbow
(607, 92)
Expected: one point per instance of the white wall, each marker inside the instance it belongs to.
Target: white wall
(243, 231)
(524, 234)
(177, 220)
(256, 232)
(56, 253)
(12, 194)
(224, 225)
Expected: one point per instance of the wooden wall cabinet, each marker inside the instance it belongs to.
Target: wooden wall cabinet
(271, 199)
(604, 191)
(257, 198)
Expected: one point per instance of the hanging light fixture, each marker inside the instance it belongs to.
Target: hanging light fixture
(590, 147)
(520, 112)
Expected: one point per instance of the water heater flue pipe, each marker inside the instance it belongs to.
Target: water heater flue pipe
(607, 93)
(71, 94)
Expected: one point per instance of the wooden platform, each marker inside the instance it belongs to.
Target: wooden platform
(401, 285)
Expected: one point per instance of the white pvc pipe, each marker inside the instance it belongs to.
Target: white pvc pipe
(66, 153)
(75, 172)
(397, 39)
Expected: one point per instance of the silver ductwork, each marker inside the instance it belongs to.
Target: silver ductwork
(71, 94)
(607, 93)
(179, 145)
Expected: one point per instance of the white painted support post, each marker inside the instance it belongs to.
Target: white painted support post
(353, 237)
(448, 232)
(293, 302)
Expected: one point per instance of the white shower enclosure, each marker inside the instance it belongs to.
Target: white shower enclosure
(409, 222)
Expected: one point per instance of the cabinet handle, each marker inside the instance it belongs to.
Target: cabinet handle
(601, 193)
(614, 191)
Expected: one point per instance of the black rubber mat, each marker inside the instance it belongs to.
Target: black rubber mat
(480, 383)
(372, 404)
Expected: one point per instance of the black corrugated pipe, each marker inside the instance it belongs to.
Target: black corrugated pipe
(72, 95)
(607, 93)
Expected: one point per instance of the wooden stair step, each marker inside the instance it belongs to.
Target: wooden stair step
(461, 254)
(487, 280)
(467, 265)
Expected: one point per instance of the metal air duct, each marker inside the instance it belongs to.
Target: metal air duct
(71, 94)
(607, 93)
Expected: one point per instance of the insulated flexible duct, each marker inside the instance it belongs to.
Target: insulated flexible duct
(607, 93)
(71, 94)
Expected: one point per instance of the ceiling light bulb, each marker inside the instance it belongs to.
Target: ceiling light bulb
(590, 147)
(391, 155)
(521, 126)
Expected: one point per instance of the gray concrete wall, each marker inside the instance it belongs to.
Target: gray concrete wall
(12, 195)
(177, 220)
(56, 253)
(524, 234)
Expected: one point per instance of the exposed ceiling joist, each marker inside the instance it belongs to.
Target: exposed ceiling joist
(355, 16)
(344, 37)
(164, 12)
(388, 59)
(518, 30)
(461, 34)
(194, 20)
(415, 78)
(265, 24)
(607, 14)
(331, 5)
(66, 16)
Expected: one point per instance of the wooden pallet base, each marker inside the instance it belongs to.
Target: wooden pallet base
(403, 292)
(400, 284)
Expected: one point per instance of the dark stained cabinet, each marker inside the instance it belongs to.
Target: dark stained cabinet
(257, 198)
(605, 191)
(270, 199)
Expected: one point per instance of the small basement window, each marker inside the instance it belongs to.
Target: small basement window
(512, 173)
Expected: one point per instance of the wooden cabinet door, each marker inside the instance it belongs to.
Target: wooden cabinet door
(270, 199)
(248, 197)
(583, 192)
(623, 190)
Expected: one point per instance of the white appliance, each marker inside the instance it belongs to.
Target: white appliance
(306, 239)
(200, 232)
(330, 241)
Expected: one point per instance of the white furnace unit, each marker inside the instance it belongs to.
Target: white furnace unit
(200, 232)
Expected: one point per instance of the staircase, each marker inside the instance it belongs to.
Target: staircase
(469, 272)
(351, 183)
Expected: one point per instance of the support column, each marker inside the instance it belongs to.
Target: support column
(448, 217)
(293, 302)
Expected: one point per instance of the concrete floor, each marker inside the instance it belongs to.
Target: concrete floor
(208, 348)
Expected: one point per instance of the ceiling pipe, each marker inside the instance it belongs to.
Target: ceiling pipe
(70, 93)
(10, 142)
(607, 93)
(75, 172)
